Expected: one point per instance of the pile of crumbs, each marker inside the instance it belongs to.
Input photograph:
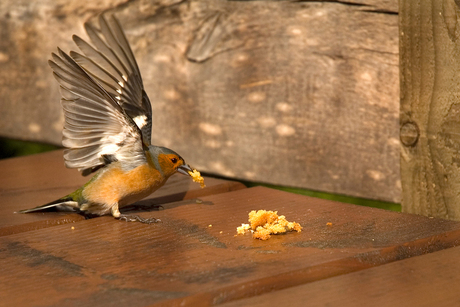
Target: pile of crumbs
(196, 177)
(265, 223)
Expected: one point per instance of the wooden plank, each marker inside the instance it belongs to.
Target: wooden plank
(428, 280)
(430, 61)
(185, 261)
(34, 180)
(297, 93)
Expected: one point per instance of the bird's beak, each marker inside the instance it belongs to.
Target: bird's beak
(184, 169)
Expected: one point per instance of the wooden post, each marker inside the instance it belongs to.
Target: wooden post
(430, 107)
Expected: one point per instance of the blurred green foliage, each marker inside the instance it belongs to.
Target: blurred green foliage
(13, 148)
(335, 197)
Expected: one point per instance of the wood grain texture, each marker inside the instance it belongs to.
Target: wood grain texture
(29, 32)
(428, 280)
(430, 61)
(194, 258)
(301, 93)
(34, 180)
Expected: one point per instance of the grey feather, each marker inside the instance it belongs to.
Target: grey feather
(95, 124)
(110, 61)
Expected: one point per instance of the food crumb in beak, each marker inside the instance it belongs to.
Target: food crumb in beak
(196, 176)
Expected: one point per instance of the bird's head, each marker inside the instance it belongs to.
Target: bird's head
(168, 161)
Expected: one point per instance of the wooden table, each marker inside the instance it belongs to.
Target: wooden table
(193, 256)
(428, 280)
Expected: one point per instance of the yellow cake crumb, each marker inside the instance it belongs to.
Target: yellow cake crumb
(265, 223)
(196, 177)
(243, 228)
(261, 233)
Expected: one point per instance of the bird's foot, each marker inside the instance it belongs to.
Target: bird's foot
(135, 218)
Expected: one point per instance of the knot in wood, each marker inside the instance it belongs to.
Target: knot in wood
(409, 134)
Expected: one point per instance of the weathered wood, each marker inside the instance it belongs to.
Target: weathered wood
(430, 124)
(301, 94)
(31, 181)
(193, 257)
(428, 280)
(29, 32)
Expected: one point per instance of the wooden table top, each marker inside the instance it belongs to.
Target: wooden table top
(193, 257)
(428, 280)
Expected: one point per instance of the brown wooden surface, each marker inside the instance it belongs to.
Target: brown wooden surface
(30, 181)
(428, 280)
(193, 256)
(430, 125)
(297, 93)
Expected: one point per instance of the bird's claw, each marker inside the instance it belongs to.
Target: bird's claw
(135, 218)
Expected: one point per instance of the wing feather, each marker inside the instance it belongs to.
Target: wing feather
(95, 124)
(111, 62)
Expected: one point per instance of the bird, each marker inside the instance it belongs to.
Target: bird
(108, 126)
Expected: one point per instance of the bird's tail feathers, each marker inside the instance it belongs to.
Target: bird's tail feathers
(62, 204)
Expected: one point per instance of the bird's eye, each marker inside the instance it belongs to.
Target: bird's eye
(173, 160)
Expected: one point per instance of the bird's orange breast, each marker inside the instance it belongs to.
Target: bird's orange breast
(124, 187)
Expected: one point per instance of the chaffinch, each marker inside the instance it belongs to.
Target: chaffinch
(108, 122)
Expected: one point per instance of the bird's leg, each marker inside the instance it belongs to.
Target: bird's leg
(131, 218)
(135, 218)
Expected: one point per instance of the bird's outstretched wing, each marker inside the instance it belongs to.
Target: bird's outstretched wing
(110, 61)
(97, 130)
